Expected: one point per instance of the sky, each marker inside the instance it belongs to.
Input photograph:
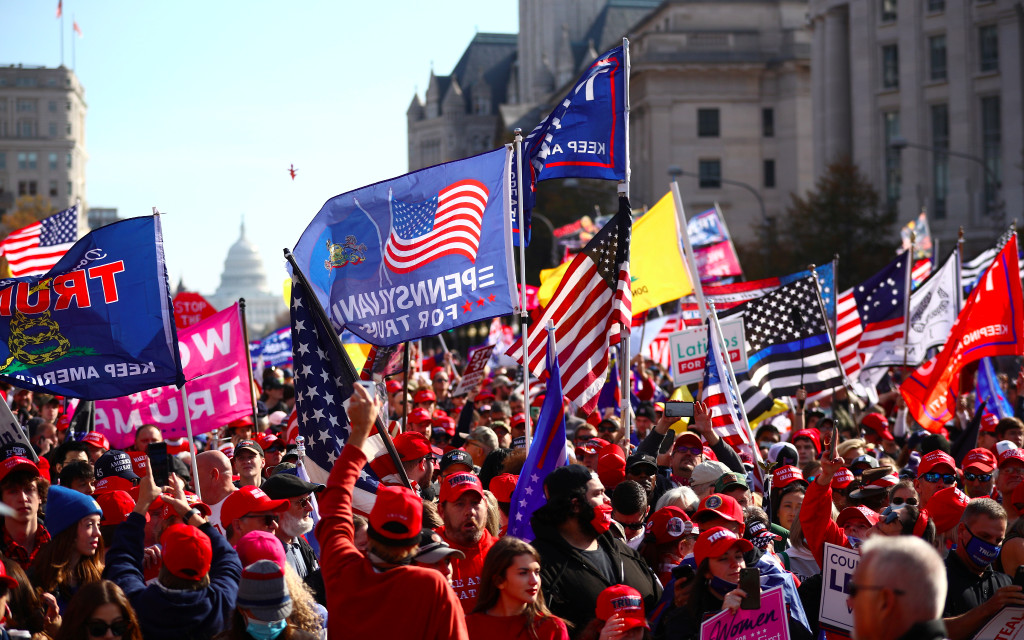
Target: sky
(199, 108)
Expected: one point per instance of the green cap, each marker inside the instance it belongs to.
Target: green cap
(730, 481)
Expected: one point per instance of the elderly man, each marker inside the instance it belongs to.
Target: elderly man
(295, 522)
(898, 590)
(250, 509)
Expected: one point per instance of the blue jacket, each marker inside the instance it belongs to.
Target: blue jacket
(171, 614)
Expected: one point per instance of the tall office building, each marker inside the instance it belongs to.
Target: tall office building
(42, 135)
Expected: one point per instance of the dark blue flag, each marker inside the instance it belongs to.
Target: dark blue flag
(416, 255)
(275, 350)
(547, 453)
(990, 391)
(882, 306)
(99, 324)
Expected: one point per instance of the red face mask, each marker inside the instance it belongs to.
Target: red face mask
(602, 520)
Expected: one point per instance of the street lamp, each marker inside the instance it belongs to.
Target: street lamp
(899, 143)
(554, 241)
(676, 171)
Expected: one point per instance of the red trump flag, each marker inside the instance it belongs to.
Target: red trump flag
(990, 324)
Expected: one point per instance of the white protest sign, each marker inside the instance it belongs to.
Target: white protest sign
(767, 623)
(836, 575)
(689, 349)
(475, 367)
(12, 436)
(1008, 624)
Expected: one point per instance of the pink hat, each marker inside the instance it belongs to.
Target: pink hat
(260, 545)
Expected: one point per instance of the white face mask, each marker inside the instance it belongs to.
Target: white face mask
(294, 527)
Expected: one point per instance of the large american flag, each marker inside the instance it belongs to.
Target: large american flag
(447, 224)
(723, 400)
(33, 250)
(882, 308)
(590, 308)
(324, 380)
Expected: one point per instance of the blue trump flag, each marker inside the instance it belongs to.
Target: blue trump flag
(275, 350)
(99, 324)
(415, 255)
(547, 453)
(989, 390)
(585, 135)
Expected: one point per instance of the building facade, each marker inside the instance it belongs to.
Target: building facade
(926, 97)
(245, 277)
(42, 136)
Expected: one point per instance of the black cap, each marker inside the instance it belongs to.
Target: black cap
(641, 459)
(560, 482)
(646, 410)
(286, 485)
(456, 456)
(14, 449)
(115, 464)
(251, 445)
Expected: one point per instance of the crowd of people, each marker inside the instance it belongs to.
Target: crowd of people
(641, 534)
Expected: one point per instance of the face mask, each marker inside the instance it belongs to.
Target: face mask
(602, 520)
(721, 586)
(980, 552)
(265, 630)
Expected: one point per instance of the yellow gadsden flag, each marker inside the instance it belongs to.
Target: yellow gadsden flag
(655, 261)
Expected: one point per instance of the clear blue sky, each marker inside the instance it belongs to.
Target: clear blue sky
(199, 108)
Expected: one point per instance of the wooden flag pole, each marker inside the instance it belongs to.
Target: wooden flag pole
(248, 362)
(524, 317)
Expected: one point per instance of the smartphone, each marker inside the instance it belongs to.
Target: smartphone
(369, 385)
(1018, 577)
(159, 465)
(685, 573)
(678, 409)
(833, 438)
(750, 582)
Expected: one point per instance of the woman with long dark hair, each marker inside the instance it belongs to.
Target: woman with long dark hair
(510, 604)
(99, 610)
(74, 555)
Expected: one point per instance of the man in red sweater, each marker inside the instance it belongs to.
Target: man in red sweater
(464, 513)
(361, 588)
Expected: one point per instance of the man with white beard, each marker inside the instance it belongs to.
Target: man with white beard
(294, 523)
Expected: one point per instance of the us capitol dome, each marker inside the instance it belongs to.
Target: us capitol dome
(244, 276)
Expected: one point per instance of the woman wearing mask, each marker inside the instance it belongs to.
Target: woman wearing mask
(510, 604)
(263, 606)
(100, 610)
(74, 555)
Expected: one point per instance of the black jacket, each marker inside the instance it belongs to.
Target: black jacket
(571, 584)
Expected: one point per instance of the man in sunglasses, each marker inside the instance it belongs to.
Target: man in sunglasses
(978, 477)
(630, 509)
(250, 509)
(1009, 474)
(295, 522)
(936, 471)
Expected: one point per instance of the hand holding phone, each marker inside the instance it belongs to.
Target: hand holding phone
(159, 464)
(750, 582)
(678, 409)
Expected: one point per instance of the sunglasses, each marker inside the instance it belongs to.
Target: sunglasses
(98, 628)
(307, 501)
(934, 476)
(978, 477)
(268, 519)
(633, 526)
(901, 501)
(693, 451)
(608, 429)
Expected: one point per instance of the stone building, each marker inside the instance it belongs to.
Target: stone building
(42, 135)
(245, 277)
(898, 83)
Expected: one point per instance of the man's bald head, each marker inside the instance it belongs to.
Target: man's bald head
(214, 476)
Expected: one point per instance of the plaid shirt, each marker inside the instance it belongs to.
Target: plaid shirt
(11, 549)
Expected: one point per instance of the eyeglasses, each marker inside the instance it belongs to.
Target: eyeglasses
(306, 501)
(633, 526)
(693, 451)
(608, 428)
(901, 501)
(934, 476)
(978, 477)
(98, 628)
(854, 588)
(268, 518)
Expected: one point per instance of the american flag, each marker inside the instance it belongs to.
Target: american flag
(788, 345)
(882, 308)
(447, 224)
(723, 400)
(324, 380)
(590, 308)
(922, 269)
(33, 250)
(970, 271)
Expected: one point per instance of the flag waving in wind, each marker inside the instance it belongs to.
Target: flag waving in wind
(547, 453)
(723, 400)
(33, 250)
(590, 308)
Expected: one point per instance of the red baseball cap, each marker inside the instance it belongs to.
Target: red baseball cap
(424, 395)
(445, 424)
(981, 460)
(245, 421)
(946, 507)
(116, 506)
(687, 439)
(393, 386)
(935, 459)
(611, 468)
(1016, 455)
(456, 484)
(97, 439)
(483, 396)
(859, 511)
(502, 486)
(166, 510)
(248, 500)
(268, 441)
(417, 416)
(989, 422)
(623, 600)
(435, 372)
(808, 434)
(719, 505)
(17, 463)
(843, 478)
(787, 475)
(716, 541)
(6, 579)
(592, 446)
(879, 424)
(517, 420)
(670, 523)
(397, 516)
(187, 552)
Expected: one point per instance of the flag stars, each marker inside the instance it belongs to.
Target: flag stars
(466, 308)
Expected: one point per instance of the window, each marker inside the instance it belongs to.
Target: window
(940, 161)
(53, 160)
(710, 172)
(988, 43)
(769, 174)
(768, 122)
(27, 188)
(69, 188)
(889, 10)
(53, 129)
(68, 160)
(26, 128)
(32, 159)
(3, 160)
(52, 106)
(934, 6)
(25, 82)
(23, 161)
(890, 67)
(24, 105)
(991, 147)
(892, 156)
(3, 105)
(937, 57)
(53, 188)
(67, 129)
(707, 123)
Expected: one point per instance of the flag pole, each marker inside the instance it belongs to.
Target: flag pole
(691, 263)
(192, 442)
(626, 375)
(248, 361)
(959, 265)
(906, 299)
(405, 386)
(524, 317)
(332, 335)
(831, 342)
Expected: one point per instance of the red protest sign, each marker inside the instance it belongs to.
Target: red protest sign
(190, 308)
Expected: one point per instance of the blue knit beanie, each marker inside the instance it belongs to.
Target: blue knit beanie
(65, 507)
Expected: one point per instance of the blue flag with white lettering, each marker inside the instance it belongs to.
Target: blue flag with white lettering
(415, 255)
(275, 350)
(99, 324)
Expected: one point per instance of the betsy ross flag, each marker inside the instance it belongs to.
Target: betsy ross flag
(547, 453)
(590, 308)
(324, 380)
(882, 309)
(35, 249)
(447, 224)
